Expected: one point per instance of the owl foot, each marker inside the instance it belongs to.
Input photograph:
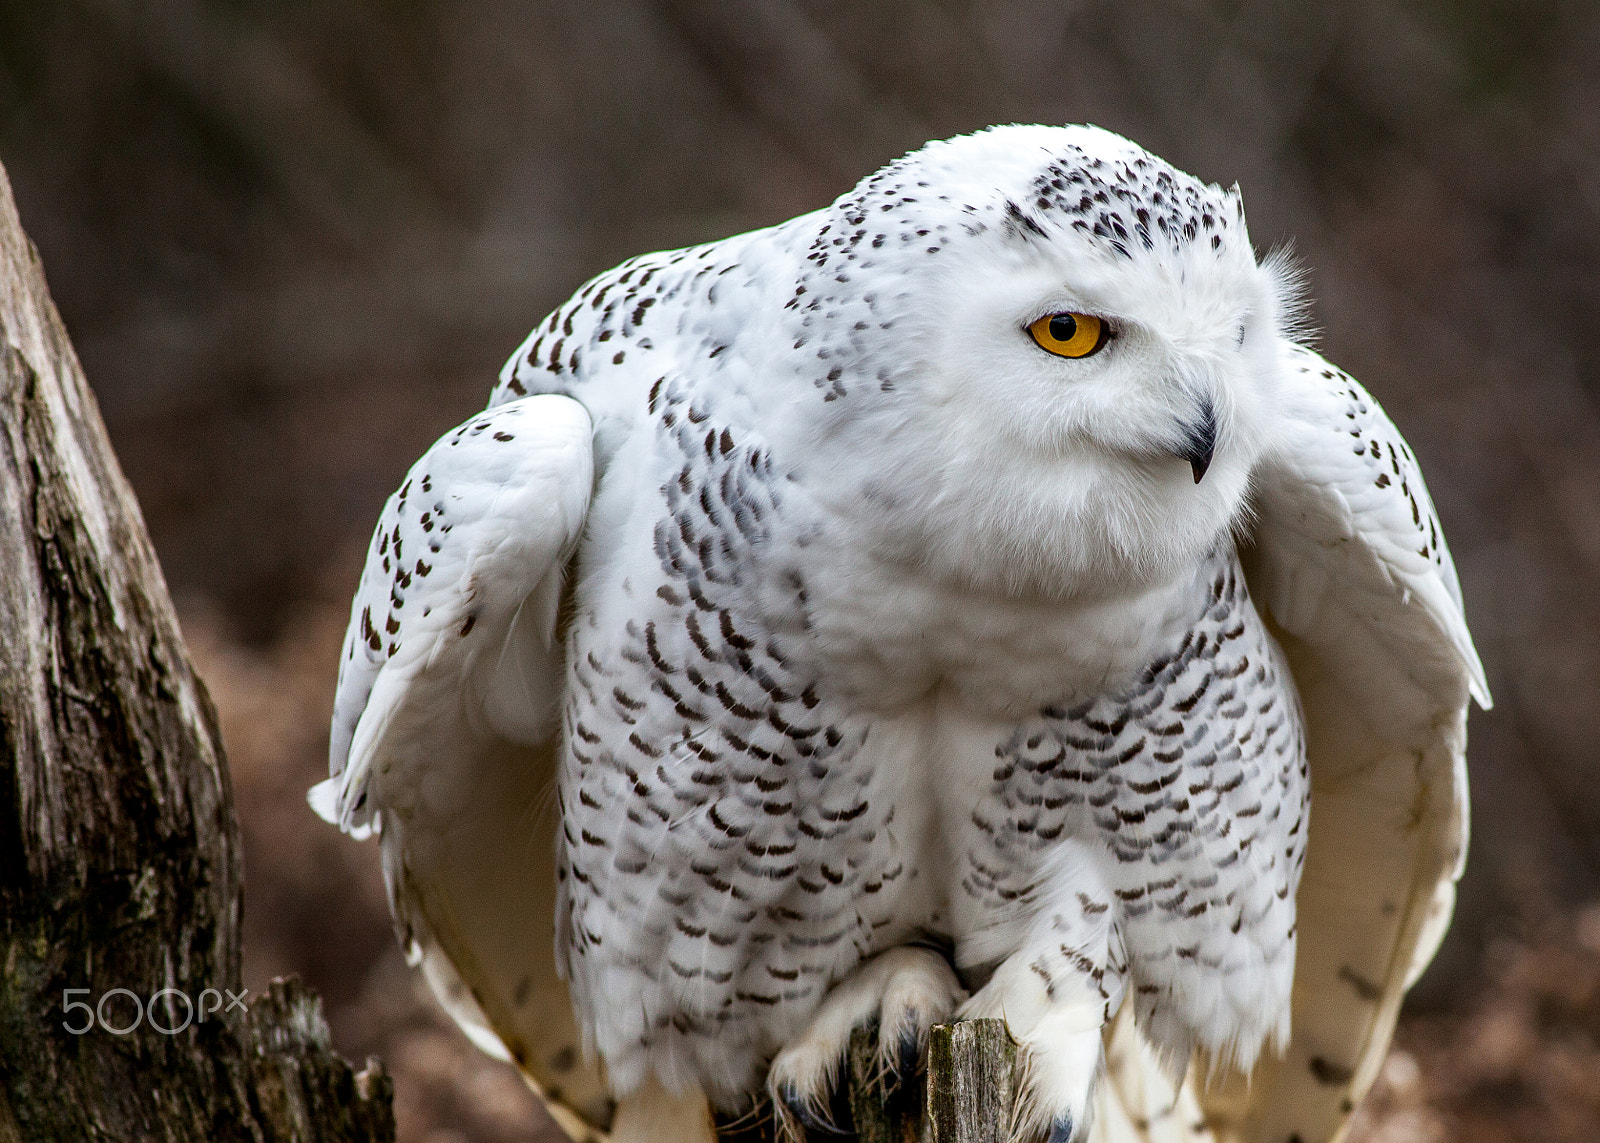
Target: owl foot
(905, 991)
(1056, 1019)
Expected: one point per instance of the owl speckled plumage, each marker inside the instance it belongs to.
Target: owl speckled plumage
(964, 600)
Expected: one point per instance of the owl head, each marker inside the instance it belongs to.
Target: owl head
(1069, 352)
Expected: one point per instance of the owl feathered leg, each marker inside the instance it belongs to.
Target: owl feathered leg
(905, 991)
(1056, 993)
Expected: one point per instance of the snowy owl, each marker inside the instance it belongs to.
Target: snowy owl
(965, 600)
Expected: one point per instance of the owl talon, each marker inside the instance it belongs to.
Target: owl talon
(905, 991)
(1055, 994)
(910, 1053)
(800, 1110)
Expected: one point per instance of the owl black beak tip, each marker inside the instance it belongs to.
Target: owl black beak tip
(1200, 441)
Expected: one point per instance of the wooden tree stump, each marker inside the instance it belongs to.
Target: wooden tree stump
(119, 852)
(965, 1097)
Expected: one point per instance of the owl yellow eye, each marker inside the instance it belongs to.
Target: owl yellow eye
(1070, 335)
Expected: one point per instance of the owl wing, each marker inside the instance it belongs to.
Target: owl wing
(1348, 557)
(446, 723)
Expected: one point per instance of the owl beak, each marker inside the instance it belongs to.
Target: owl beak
(1200, 440)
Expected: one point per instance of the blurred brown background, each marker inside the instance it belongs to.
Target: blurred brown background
(294, 241)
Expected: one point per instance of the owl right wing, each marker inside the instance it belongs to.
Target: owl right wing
(446, 729)
(1351, 566)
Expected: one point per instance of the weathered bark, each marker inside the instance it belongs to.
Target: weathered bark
(119, 852)
(965, 1097)
(971, 1082)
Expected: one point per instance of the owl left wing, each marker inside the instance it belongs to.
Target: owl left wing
(446, 723)
(1348, 558)
(476, 538)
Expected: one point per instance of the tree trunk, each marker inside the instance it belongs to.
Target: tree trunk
(119, 852)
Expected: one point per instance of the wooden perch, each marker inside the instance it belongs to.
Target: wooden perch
(965, 1096)
(122, 1016)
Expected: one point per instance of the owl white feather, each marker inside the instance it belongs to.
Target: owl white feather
(965, 600)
